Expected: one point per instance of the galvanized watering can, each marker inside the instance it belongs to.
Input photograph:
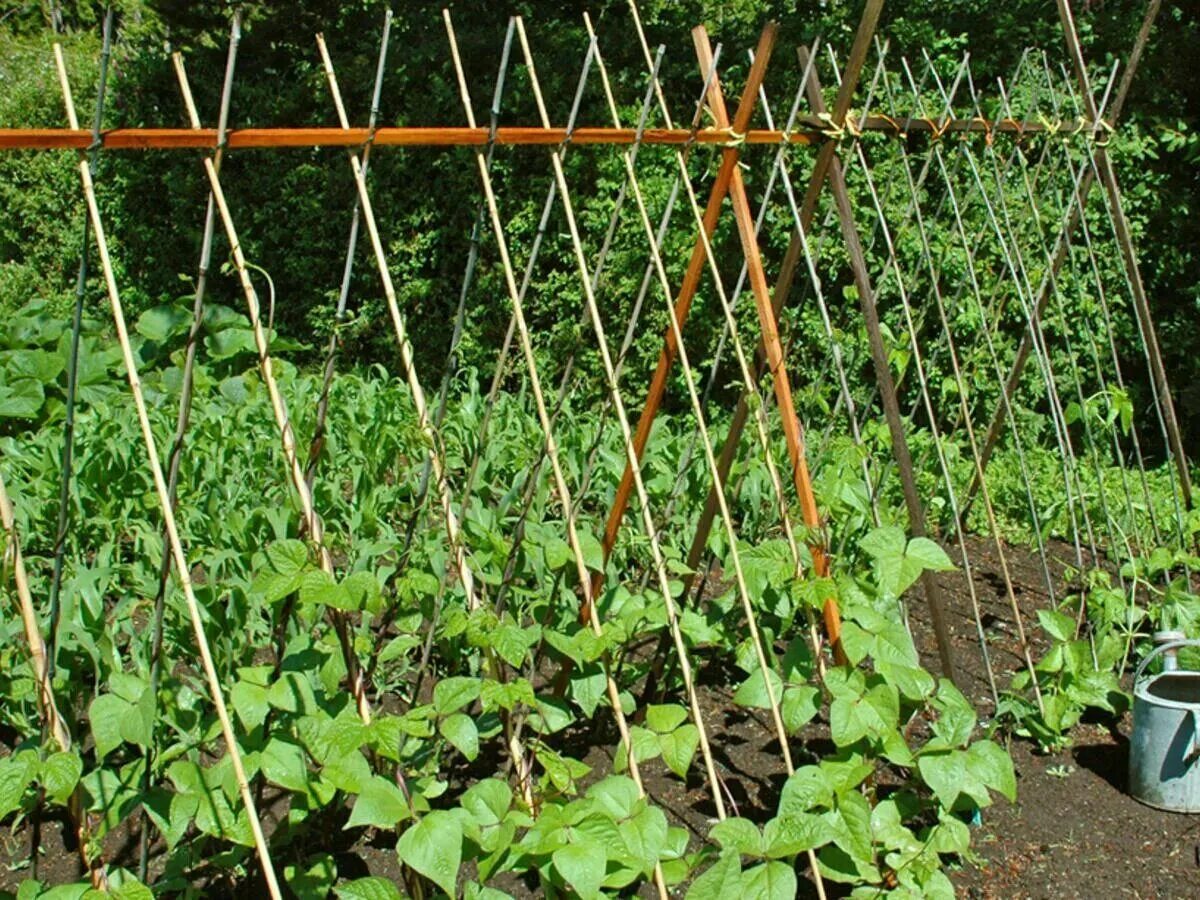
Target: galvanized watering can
(1164, 753)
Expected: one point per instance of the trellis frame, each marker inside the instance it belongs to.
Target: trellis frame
(829, 130)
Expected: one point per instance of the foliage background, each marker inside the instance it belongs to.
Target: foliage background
(293, 207)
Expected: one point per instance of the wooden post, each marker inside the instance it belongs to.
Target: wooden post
(793, 433)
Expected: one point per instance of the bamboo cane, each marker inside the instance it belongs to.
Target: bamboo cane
(164, 499)
(627, 435)
(691, 281)
(312, 521)
(38, 658)
(406, 358)
(183, 421)
(698, 411)
(317, 443)
(423, 421)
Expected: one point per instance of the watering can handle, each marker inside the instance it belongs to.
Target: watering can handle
(1195, 754)
(1170, 645)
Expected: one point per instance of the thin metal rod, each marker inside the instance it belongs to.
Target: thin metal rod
(698, 411)
(1076, 378)
(283, 422)
(974, 292)
(539, 398)
(1083, 188)
(687, 293)
(467, 492)
(1000, 216)
(1102, 298)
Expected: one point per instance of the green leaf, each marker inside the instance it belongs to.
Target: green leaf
(929, 555)
(616, 795)
(722, 881)
(738, 834)
(380, 804)
(557, 553)
(785, 836)
(645, 836)
(512, 643)
(852, 826)
(370, 888)
(40, 365)
(59, 775)
(488, 801)
(452, 694)
(349, 772)
(160, 323)
(582, 866)
(800, 705)
(363, 591)
(16, 774)
(319, 588)
(645, 746)
(679, 748)
(665, 718)
(106, 714)
(21, 399)
(287, 562)
(314, 882)
(1059, 626)
(898, 565)
(288, 557)
(554, 714)
(806, 789)
(433, 847)
(945, 774)
(250, 703)
(285, 764)
(753, 691)
(770, 881)
(956, 716)
(873, 714)
(460, 730)
(988, 762)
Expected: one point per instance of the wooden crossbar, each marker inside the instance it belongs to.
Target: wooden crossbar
(809, 131)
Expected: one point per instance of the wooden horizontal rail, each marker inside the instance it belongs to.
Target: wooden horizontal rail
(811, 131)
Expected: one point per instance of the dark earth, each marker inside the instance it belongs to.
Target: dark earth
(1074, 831)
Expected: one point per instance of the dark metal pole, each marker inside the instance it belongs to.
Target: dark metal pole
(68, 448)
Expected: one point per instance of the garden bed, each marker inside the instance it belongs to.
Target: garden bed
(1074, 831)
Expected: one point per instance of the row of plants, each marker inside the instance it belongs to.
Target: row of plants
(884, 808)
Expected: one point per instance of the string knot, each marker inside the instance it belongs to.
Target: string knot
(733, 138)
(831, 129)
